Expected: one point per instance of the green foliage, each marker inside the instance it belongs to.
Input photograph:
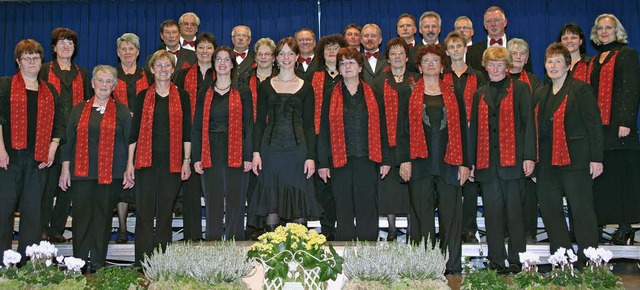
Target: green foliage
(526, 279)
(38, 274)
(601, 278)
(484, 279)
(189, 283)
(116, 278)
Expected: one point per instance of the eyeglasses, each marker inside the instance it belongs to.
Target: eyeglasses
(346, 63)
(103, 81)
(305, 39)
(396, 53)
(332, 48)
(464, 28)
(192, 24)
(225, 60)
(65, 42)
(267, 54)
(30, 59)
(241, 36)
(431, 61)
(493, 21)
(160, 65)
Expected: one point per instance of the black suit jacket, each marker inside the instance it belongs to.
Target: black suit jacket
(307, 75)
(525, 134)
(474, 57)
(245, 65)
(368, 73)
(186, 58)
(582, 123)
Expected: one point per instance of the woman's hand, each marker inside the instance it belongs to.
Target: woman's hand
(4, 158)
(384, 170)
(186, 170)
(595, 168)
(247, 166)
(463, 174)
(256, 163)
(623, 131)
(309, 168)
(53, 147)
(528, 166)
(129, 174)
(324, 174)
(405, 171)
(65, 177)
(197, 167)
(126, 183)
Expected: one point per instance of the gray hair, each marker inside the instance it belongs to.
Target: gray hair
(517, 42)
(621, 33)
(189, 14)
(431, 14)
(106, 69)
(462, 18)
(129, 38)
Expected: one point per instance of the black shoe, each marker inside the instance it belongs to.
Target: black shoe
(392, 236)
(515, 268)
(623, 238)
(57, 238)
(500, 269)
(469, 238)
(122, 238)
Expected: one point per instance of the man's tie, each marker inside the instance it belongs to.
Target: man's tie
(240, 54)
(304, 60)
(496, 41)
(370, 54)
(191, 43)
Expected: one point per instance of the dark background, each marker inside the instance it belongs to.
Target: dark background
(100, 23)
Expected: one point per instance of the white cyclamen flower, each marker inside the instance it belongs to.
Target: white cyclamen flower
(73, 264)
(47, 262)
(11, 257)
(591, 253)
(604, 254)
(60, 259)
(572, 257)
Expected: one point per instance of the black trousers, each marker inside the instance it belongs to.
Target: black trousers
(470, 207)
(21, 188)
(324, 195)
(423, 202)
(54, 217)
(224, 194)
(355, 192)
(92, 217)
(530, 209)
(577, 186)
(191, 206)
(156, 192)
(502, 201)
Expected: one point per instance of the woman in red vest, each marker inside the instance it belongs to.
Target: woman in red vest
(94, 158)
(222, 147)
(31, 126)
(350, 150)
(73, 84)
(570, 146)
(572, 37)
(614, 74)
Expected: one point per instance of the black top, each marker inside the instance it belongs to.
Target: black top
(120, 147)
(285, 121)
(32, 114)
(582, 123)
(161, 121)
(180, 75)
(66, 83)
(535, 80)
(219, 121)
(626, 90)
(308, 74)
(130, 80)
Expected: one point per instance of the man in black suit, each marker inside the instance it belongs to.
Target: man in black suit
(307, 63)
(241, 38)
(375, 61)
(406, 28)
(170, 35)
(189, 23)
(353, 35)
(464, 25)
(495, 22)
(430, 25)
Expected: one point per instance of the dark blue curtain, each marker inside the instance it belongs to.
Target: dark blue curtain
(99, 23)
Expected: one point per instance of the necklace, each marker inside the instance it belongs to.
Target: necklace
(261, 74)
(331, 71)
(430, 92)
(289, 80)
(399, 78)
(222, 89)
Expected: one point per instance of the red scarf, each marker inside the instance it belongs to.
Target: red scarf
(469, 89)
(418, 141)
(77, 86)
(580, 71)
(253, 86)
(524, 76)
(235, 129)
(318, 87)
(145, 138)
(507, 134)
(560, 151)
(191, 86)
(336, 123)
(44, 122)
(391, 111)
(605, 87)
(120, 93)
(105, 147)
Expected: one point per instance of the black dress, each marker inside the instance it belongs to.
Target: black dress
(617, 191)
(285, 137)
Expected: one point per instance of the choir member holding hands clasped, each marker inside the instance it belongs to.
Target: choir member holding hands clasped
(94, 159)
(614, 75)
(222, 146)
(31, 126)
(434, 161)
(159, 154)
